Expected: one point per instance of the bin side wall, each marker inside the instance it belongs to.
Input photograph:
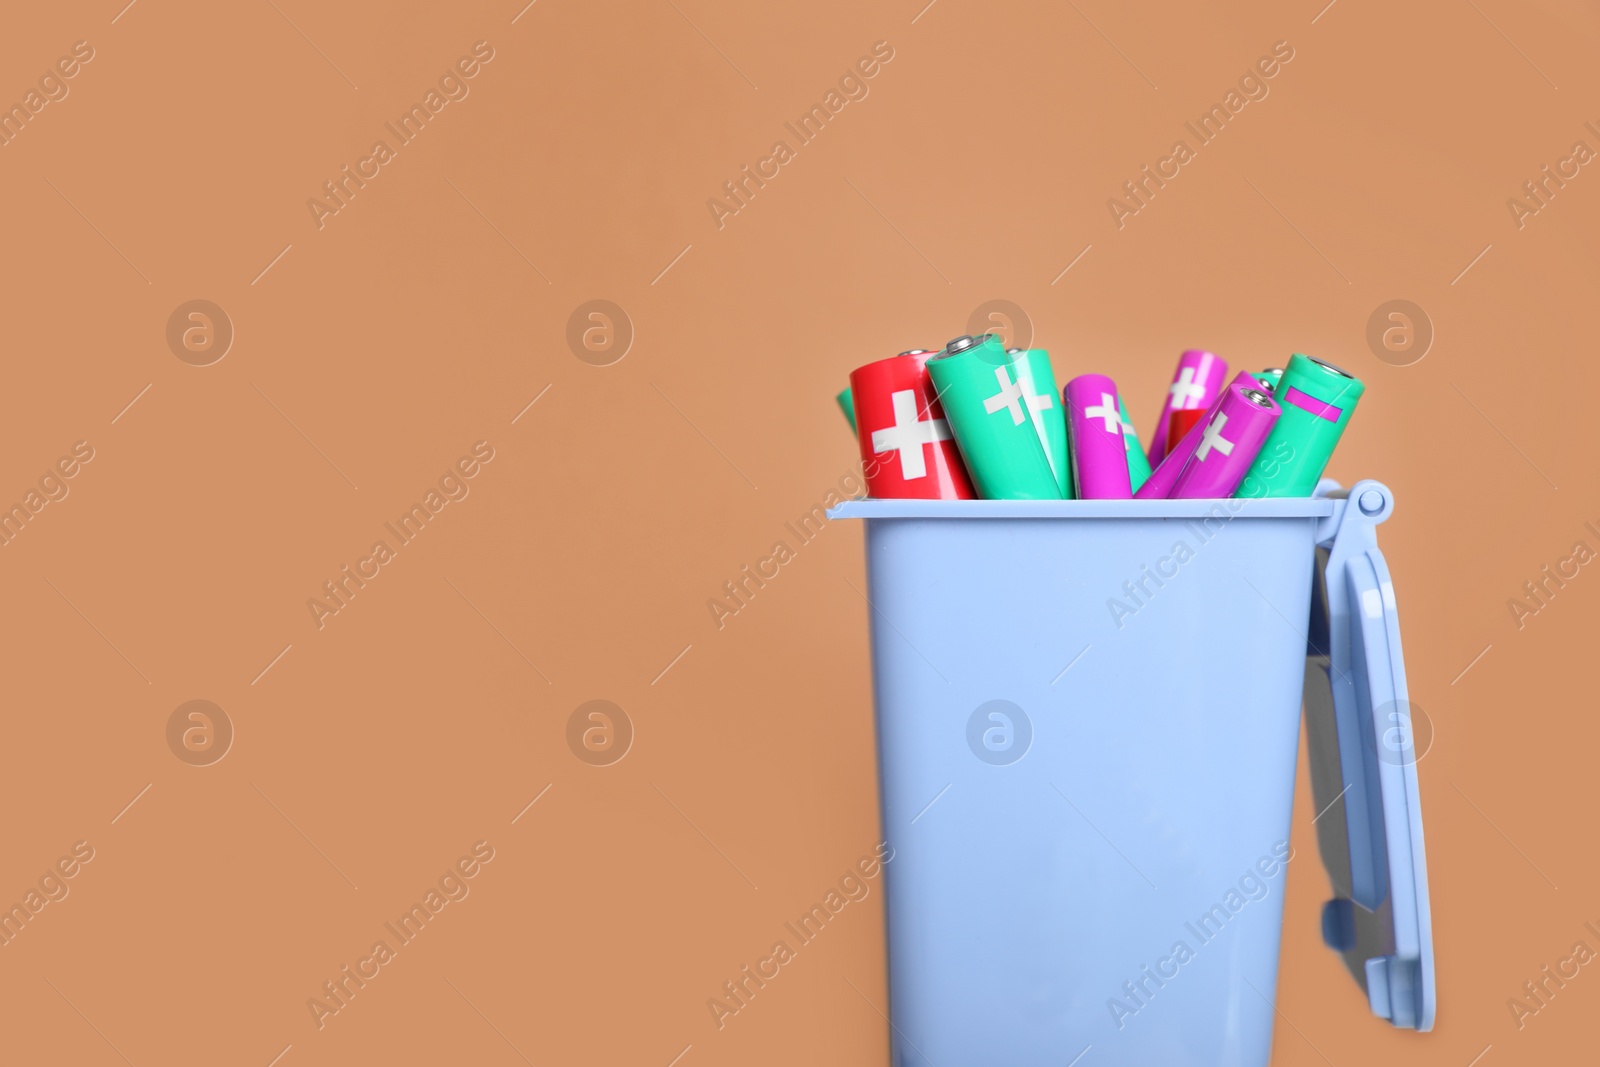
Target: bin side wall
(1133, 796)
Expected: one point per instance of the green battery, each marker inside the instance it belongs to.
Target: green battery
(1138, 463)
(1044, 409)
(1269, 377)
(847, 404)
(1316, 400)
(987, 408)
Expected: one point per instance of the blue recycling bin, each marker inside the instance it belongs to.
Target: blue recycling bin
(1088, 716)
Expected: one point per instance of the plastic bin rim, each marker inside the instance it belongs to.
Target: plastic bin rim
(1273, 508)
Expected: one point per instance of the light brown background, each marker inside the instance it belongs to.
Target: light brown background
(378, 349)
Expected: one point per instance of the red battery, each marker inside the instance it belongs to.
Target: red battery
(1180, 423)
(1195, 385)
(907, 450)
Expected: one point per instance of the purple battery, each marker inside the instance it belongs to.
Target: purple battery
(1230, 438)
(1196, 384)
(1159, 485)
(1094, 427)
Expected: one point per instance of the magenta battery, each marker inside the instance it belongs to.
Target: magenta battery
(1196, 384)
(1094, 429)
(1229, 442)
(1159, 485)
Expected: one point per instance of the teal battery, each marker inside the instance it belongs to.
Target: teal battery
(1138, 462)
(989, 416)
(1038, 381)
(847, 404)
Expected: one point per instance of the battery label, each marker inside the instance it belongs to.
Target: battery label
(909, 434)
(1309, 403)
